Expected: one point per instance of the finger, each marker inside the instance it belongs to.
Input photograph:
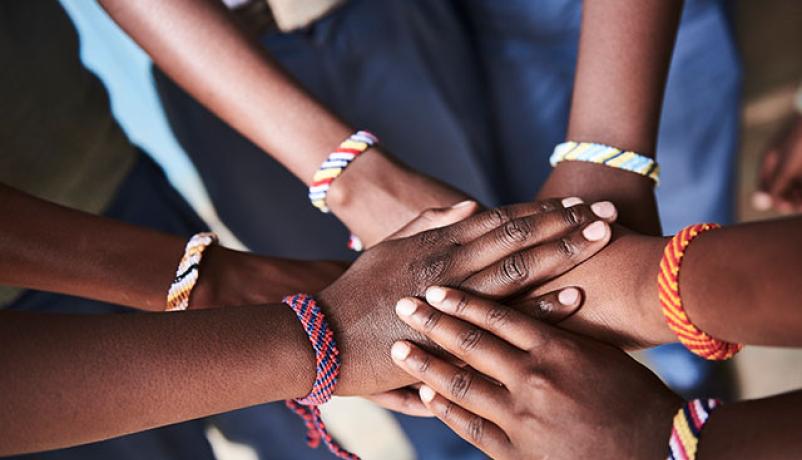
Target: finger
(481, 223)
(531, 230)
(436, 218)
(768, 169)
(464, 386)
(482, 433)
(484, 352)
(552, 307)
(535, 265)
(403, 400)
(503, 322)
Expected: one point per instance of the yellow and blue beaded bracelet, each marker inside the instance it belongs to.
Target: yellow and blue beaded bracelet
(608, 156)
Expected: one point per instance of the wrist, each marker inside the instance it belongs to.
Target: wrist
(632, 194)
(231, 278)
(652, 322)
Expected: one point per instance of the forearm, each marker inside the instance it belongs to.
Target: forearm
(70, 379)
(52, 248)
(624, 54)
(766, 429)
(199, 45)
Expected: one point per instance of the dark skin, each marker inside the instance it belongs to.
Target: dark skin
(522, 396)
(199, 45)
(117, 374)
(83, 260)
(723, 295)
(624, 52)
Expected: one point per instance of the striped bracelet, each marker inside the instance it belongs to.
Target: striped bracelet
(327, 369)
(696, 340)
(688, 424)
(188, 271)
(357, 144)
(605, 155)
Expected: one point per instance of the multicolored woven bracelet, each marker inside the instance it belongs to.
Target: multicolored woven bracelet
(605, 155)
(327, 366)
(692, 337)
(688, 424)
(335, 164)
(188, 271)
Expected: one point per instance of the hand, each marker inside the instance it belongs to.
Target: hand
(234, 278)
(375, 185)
(780, 176)
(536, 391)
(619, 284)
(496, 252)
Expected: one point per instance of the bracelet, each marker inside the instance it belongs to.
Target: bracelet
(335, 164)
(605, 155)
(187, 274)
(692, 337)
(688, 424)
(327, 369)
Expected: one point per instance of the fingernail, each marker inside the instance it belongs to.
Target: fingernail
(462, 204)
(405, 307)
(426, 393)
(603, 209)
(435, 294)
(761, 201)
(568, 296)
(595, 231)
(400, 351)
(572, 201)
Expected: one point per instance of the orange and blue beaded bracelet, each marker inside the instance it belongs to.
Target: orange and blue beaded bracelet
(327, 371)
(696, 340)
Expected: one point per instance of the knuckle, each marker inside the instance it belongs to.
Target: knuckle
(572, 216)
(432, 268)
(497, 317)
(517, 231)
(469, 340)
(448, 410)
(431, 320)
(462, 304)
(497, 216)
(546, 206)
(567, 248)
(514, 269)
(424, 364)
(429, 237)
(535, 380)
(476, 428)
(460, 384)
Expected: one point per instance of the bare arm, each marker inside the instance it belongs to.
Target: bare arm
(52, 248)
(624, 54)
(198, 44)
(70, 379)
(739, 283)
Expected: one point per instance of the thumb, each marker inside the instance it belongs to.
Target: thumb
(437, 217)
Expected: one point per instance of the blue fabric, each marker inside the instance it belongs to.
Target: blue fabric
(474, 93)
(144, 198)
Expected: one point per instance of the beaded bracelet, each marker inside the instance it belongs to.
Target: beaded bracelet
(188, 271)
(605, 155)
(696, 340)
(357, 144)
(688, 424)
(327, 370)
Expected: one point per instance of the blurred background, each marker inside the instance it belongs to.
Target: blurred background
(769, 35)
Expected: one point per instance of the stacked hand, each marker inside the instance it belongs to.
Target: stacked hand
(528, 386)
(497, 253)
